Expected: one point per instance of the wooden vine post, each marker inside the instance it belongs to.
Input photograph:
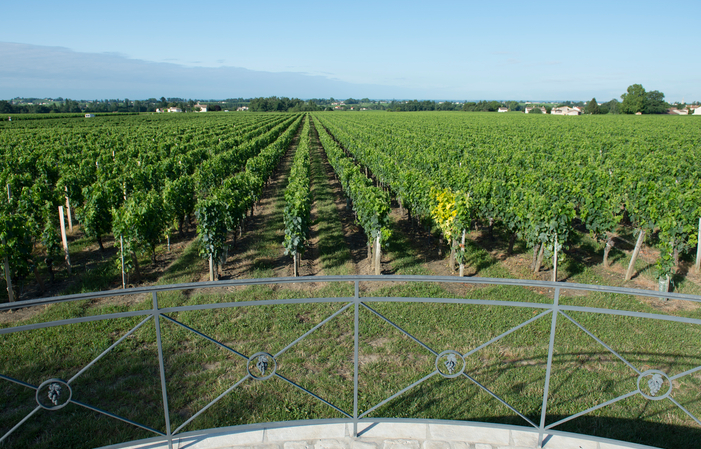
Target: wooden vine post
(462, 256)
(211, 268)
(121, 247)
(638, 245)
(378, 255)
(555, 260)
(68, 208)
(64, 239)
(698, 250)
(6, 263)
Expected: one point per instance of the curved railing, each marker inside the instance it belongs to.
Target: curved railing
(671, 383)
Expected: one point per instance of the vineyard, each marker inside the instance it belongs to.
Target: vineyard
(138, 180)
(143, 200)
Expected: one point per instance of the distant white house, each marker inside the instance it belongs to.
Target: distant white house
(159, 110)
(545, 111)
(675, 111)
(174, 109)
(579, 108)
(503, 110)
(565, 111)
(89, 115)
(203, 107)
(242, 108)
(697, 111)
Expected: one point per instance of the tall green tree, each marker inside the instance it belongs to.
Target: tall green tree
(633, 99)
(592, 107)
(636, 99)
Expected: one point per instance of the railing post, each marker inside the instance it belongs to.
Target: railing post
(355, 359)
(551, 347)
(164, 390)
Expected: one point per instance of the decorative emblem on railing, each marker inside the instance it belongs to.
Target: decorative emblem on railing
(655, 384)
(58, 393)
(261, 366)
(450, 364)
(54, 392)
(656, 380)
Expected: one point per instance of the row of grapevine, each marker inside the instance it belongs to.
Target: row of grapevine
(139, 182)
(536, 177)
(298, 201)
(222, 211)
(370, 204)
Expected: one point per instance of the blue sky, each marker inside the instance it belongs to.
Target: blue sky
(538, 50)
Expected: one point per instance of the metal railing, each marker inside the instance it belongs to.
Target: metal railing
(653, 384)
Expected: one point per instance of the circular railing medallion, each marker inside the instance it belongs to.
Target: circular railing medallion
(450, 364)
(261, 366)
(53, 394)
(654, 385)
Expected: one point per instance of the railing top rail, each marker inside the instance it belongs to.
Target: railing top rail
(352, 278)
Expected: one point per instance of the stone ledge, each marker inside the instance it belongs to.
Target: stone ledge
(387, 436)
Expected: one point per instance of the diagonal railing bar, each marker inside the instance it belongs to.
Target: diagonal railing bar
(495, 396)
(402, 391)
(601, 342)
(214, 401)
(591, 409)
(17, 426)
(685, 373)
(312, 394)
(310, 331)
(24, 384)
(106, 351)
(398, 328)
(548, 369)
(120, 418)
(510, 331)
(684, 409)
(206, 337)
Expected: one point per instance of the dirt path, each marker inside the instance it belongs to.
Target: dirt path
(259, 251)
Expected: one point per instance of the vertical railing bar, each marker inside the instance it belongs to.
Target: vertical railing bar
(355, 359)
(164, 390)
(601, 343)
(20, 423)
(106, 351)
(684, 410)
(551, 348)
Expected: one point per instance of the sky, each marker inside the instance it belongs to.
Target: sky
(440, 50)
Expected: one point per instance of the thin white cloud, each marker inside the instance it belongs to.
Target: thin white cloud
(31, 70)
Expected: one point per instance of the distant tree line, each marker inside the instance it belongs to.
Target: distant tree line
(61, 105)
(282, 104)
